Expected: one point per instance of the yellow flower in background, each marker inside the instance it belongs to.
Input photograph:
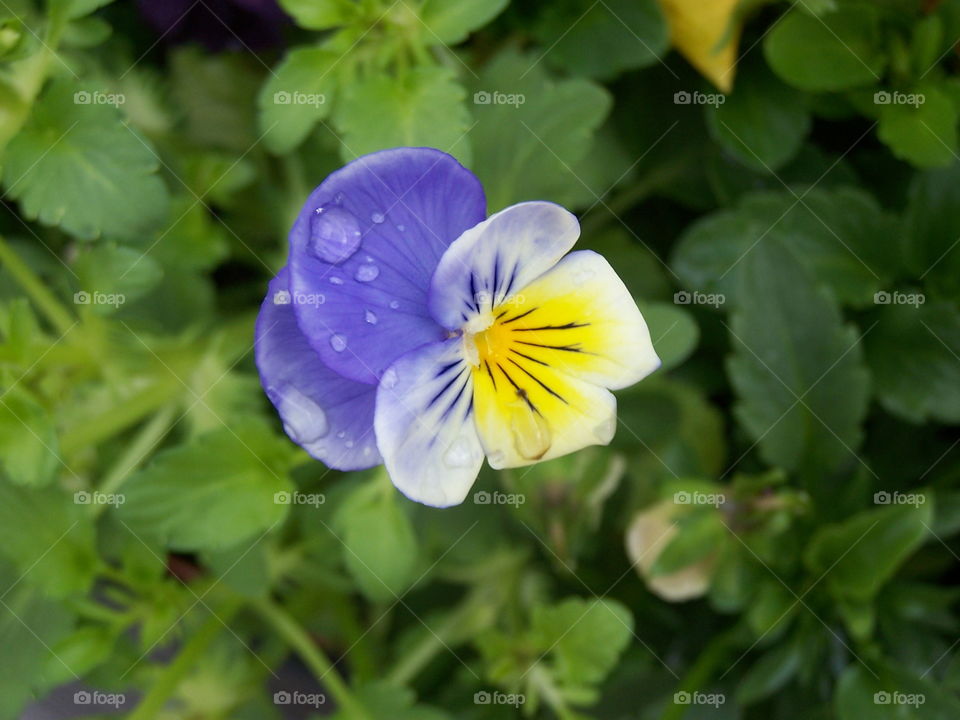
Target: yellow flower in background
(707, 34)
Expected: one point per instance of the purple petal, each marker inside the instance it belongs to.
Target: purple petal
(496, 259)
(329, 416)
(425, 424)
(364, 305)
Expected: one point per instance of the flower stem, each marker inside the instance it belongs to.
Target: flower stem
(315, 659)
(35, 289)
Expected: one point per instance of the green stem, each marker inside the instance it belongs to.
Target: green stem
(104, 426)
(311, 654)
(172, 674)
(137, 451)
(35, 289)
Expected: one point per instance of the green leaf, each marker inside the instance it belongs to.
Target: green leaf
(379, 545)
(297, 96)
(232, 474)
(674, 332)
(763, 123)
(913, 353)
(527, 149)
(932, 229)
(632, 33)
(422, 107)
(383, 700)
(699, 533)
(28, 440)
(450, 21)
(797, 370)
(48, 538)
(320, 14)
(924, 134)
(863, 552)
(114, 270)
(840, 50)
(771, 671)
(77, 166)
(887, 692)
(584, 637)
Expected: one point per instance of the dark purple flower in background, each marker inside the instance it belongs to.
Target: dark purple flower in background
(217, 24)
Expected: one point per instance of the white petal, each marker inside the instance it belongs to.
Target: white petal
(495, 259)
(425, 425)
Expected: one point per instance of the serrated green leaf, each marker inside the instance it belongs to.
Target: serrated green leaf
(297, 96)
(450, 21)
(923, 134)
(422, 107)
(78, 167)
(28, 439)
(320, 14)
(115, 270)
(913, 353)
(526, 150)
(797, 369)
(232, 474)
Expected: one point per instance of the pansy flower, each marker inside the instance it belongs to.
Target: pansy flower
(410, 329)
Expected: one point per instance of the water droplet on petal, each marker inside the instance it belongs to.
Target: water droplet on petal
(342, 434)
(371, 317)
(377, 217)
(401, 228)
(349, 444)
(338, 199)
(531, 433)
(367, 273)
(460, 454)
(394, 304)
(338, 342)
(334, 234)
(389, 378)
(336, 280)
(303, 420)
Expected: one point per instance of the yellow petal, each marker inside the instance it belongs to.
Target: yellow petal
(707, 33)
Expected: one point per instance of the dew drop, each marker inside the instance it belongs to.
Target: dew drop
(368, 451)
(389, 378)
(367, 273)
(531, 434)
(334, 234)
(338, 342)
(460, 454)
(338, 199)
(342, 434)
(377, 218)
(336, 280)
(303, 420)
(348, 444)
(401, 228)
(371, 317)
(394, 304)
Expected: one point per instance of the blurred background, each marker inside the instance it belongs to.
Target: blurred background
(773, 533)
